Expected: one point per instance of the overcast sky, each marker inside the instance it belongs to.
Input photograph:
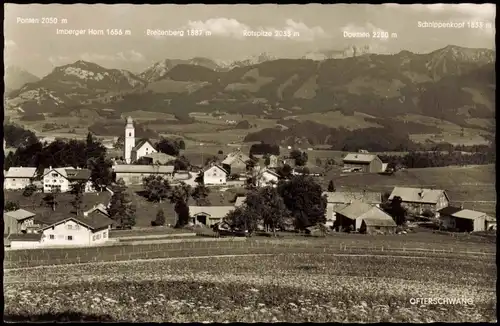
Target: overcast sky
(38, 49)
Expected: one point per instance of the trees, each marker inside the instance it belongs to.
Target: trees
(200, 194)
(11, 206)
(180, 197)
(181, 163)
(29, 192)
(263, 148)
(51, 199)
(16, 136)
(285, 171)
(168, 146)
(331, 186)
(77, 190)
(269, 205)
(121, 209)
(160, 218)
(156, 188)
(101, 172)
(302, 196)
(242, 219)
(396, 210)
(299, 157)
(199, 178)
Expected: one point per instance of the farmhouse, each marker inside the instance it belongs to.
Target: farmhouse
(63, 178)
(375, 219)
(18, 221)
(77, 231)
(215, 175)
(338, 200)
(134, 174)
(466, 220)
(17, 178)
(265, 177)
(158, 158)
(235, 162)
(364, 162)
(419, 200)
(208, 215)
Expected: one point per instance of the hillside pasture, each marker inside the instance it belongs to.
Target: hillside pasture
(336, 119)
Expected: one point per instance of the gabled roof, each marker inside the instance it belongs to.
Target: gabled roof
(211, 211)
(232, 157)
(418, 195)
(20, 172)
(345, 197)
(20, 214)
(141, 143)
(129, 168)
(449, 210)
(61, 171)
(101, 208)
(240, 201)
(92, 222)
(78, 174)
(25, 237)
(359, 158)
(217, 166)
(355, 210)
(470, 214)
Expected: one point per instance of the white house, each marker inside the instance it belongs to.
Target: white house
(77, 231)
(214, 175)
(24, 240)
(133, 152)
(18, 178)
(64, 178)
(265, 177)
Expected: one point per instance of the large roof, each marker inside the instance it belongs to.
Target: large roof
(92, 221)
(211, 211)
(217, 166)
(417, 195)
(101, 208)
(20, 214)
(126, 168)
(61, 171)
(78, 174)
(345, 197)
(232, 157)
(355, 210)
(471, 215)
(359, 158)
(449, 210)
(20, 172)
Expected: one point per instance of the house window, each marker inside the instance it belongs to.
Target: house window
(51, 237)
(70, 227)
(54, 175)
(105, 235)
(77, 227)
(93, 237)
(97, 236)
(61, 181)
(130, 134)
(70, 237)
(13, 179)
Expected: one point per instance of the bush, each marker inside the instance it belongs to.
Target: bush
(428, 213)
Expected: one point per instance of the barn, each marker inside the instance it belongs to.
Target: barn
(365, 162)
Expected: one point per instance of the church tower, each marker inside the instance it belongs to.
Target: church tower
(129, 140)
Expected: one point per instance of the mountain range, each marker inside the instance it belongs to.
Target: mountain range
(455, 84)
(16, 77)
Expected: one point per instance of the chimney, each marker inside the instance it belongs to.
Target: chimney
(50, 167)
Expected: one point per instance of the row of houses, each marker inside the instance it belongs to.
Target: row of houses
(26, 230)
(361, 211)
(17, 178)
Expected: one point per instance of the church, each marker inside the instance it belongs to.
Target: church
(133, 152)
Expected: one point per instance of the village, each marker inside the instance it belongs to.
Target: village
(364, 212)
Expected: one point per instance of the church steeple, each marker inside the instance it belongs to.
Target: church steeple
(129, 140)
